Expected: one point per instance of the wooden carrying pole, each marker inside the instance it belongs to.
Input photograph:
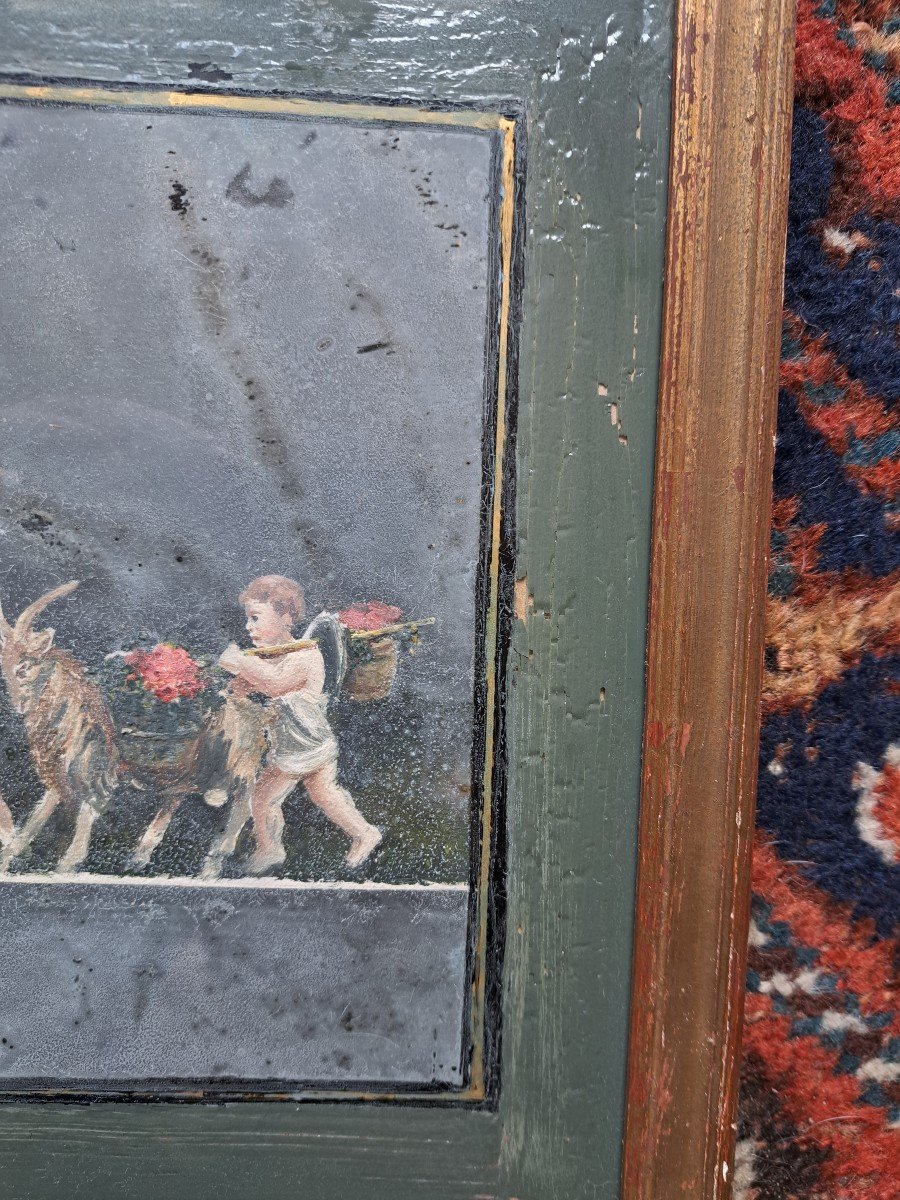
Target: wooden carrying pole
(724, 272)
(356, 635)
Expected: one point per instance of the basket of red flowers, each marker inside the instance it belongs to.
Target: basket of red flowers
(372, 664)
(159, 698)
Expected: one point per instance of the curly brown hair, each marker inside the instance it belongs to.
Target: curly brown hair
(285, 595)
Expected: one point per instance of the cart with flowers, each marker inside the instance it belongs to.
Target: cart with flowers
(164, 701)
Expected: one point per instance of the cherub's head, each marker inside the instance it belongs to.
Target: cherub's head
(273, 605)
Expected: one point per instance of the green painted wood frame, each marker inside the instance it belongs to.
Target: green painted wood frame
(594, 83)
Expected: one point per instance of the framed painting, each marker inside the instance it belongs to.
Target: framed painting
(270, 446)
(372, 374)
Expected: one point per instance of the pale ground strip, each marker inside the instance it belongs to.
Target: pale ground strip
(186, 881)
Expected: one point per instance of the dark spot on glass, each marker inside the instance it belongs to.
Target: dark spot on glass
(177, 196)
(208, 72)
(277, 194)
(36, 521)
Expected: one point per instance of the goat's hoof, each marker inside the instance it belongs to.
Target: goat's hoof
(10, 851)
(211, 869)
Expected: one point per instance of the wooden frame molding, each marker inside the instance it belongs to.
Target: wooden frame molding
(718, 392)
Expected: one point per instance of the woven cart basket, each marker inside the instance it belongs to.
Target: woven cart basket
(371, 676)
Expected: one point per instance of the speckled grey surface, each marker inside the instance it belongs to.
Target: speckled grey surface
(234, 346)
(278, 368)
(124, 982)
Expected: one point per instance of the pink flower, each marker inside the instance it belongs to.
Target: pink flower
(371, 615)
(167, 671)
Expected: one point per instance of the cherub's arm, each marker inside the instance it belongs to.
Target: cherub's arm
(288, 673)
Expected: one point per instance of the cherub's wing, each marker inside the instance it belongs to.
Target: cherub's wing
(328, 631)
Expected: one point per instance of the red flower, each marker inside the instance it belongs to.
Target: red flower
(167, 671)
(371, 615)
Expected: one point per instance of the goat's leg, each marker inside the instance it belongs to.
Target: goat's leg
(7, 824)
(156, 830)
(81, 839)
(36, 821)
(226, 843)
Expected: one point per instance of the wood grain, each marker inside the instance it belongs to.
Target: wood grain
(718, 392)
(594, 81)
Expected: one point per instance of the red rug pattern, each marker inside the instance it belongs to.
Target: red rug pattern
(820, 1098)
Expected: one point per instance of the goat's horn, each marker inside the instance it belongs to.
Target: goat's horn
(27, 615)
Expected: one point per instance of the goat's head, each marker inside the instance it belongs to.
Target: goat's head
(23, 649)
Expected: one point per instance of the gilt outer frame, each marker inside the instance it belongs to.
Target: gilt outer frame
(727, 223)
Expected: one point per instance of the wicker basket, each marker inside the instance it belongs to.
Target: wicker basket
(371, 675)
(157, 741)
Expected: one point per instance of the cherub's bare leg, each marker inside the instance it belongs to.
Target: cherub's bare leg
(81, 839)
(156, 830)
(37, 819)
(226, 842)
(272, 789)
(337, 805)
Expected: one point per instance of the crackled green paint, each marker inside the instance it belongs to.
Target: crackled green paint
(594, 83)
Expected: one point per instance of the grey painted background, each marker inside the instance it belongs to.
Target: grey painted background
(191, 398)
(234, 346)
(184, 390)
(124, 983)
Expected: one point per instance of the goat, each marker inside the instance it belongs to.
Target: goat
(69, 728)
(75, 750)
(225, 761)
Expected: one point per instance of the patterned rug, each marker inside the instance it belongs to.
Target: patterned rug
(820, 1101)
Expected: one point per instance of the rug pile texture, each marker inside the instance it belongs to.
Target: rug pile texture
(820, 1097)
